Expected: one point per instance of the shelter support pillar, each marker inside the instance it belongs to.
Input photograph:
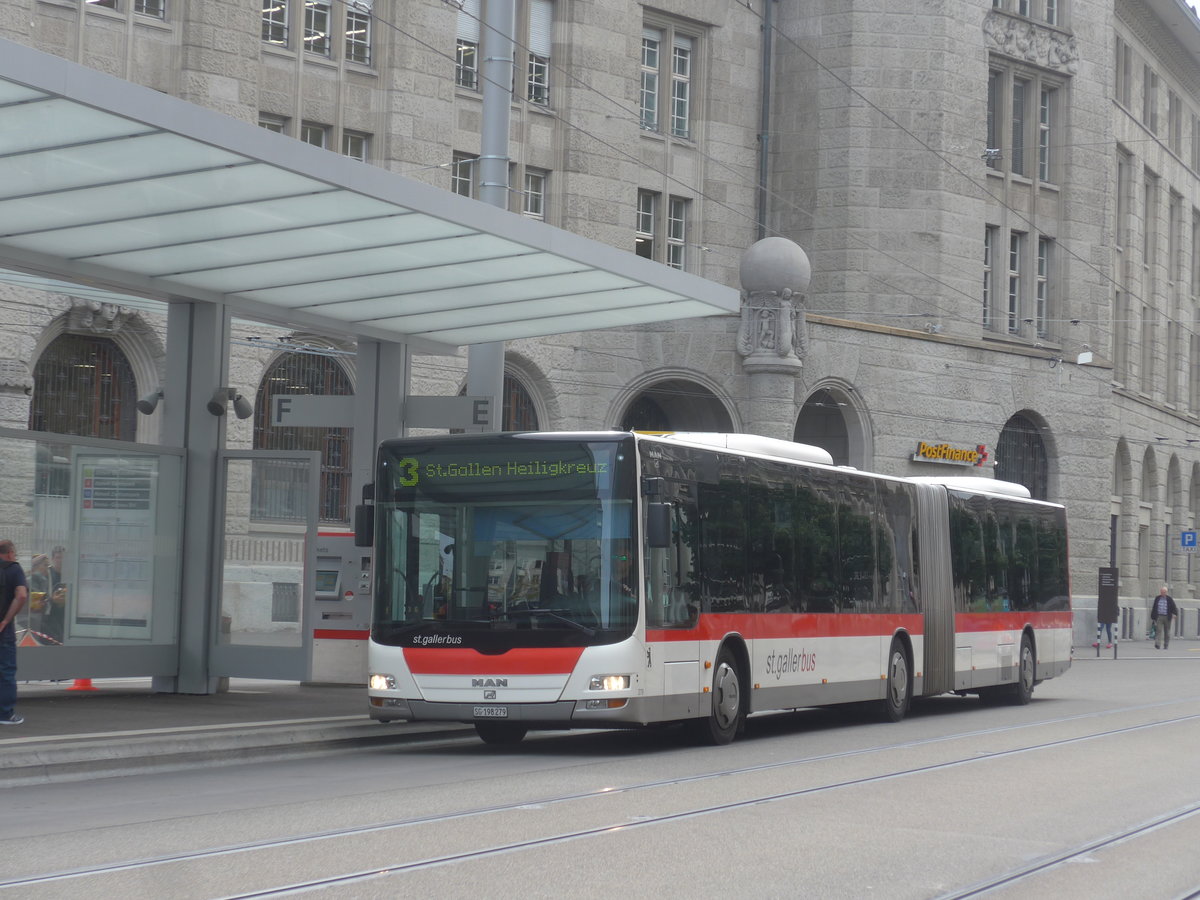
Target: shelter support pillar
(381, 386)
(197, 364)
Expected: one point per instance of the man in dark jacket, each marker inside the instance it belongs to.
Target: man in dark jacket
(13, 594)
(1163, 612)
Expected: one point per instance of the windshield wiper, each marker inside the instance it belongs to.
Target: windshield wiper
(555, 614)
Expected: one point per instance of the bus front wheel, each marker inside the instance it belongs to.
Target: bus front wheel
(721, 725)
(899, 683)
(500, 732)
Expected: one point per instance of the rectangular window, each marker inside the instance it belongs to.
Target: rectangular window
(1124, 71)
(647, 215)
(275, 22)
(993, 150)
(1150, 99)
(105, 4)
(533, 203)
(681, 86)
(990, 234)
(1022, 7)
(466, 56)
(1196, 254)
(1020, 91)
(316, 26)
(1175, 238)
(1122, 328)
(1149, 224)
(462, 175)
(155, 8)
(677, 212)
(651, 45)
(312, 133)
(1015, 242)
(1045, 259)
(358, 31)
(356, 145)
(541, 24)
(1124, 171)
(1052, 12)
(1148, 349)
(1175, 123)
(1045, 112)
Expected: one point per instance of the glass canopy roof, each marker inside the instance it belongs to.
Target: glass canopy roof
(129, 192)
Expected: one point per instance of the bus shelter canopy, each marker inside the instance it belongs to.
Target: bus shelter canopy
(129, 192)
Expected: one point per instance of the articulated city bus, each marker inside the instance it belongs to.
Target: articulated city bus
(611, 579)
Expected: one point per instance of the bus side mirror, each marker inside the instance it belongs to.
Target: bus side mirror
(364, 525)
(658, 524)
(364, 518)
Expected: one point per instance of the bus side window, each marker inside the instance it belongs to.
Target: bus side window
(671, 575)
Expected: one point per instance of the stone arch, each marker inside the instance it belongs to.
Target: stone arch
(1123, 503)
(1194, 498)
(524, 377)
(138, 342)
(677, 400)
(833, 418)
(1149, 492)
(1024, 453)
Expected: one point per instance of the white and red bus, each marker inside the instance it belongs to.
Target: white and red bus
(544, 580)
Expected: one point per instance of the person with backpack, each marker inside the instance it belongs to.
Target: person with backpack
(14, 592)
(1163, 612)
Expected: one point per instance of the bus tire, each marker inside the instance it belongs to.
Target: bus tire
(898, 693)
(1022, 692)
(721, 725)
(500, 732)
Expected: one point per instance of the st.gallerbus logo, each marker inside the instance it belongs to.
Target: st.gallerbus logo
(954, 456)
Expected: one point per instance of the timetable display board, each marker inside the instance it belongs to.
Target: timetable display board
(111, 591)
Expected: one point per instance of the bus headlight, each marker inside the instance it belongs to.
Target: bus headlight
(382, 683)
(609, 683)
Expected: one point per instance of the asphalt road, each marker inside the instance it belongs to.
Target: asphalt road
(1090, 791)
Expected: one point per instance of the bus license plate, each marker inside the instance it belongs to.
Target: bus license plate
(491, 712)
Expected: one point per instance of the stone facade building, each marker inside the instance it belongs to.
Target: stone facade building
(997, 200)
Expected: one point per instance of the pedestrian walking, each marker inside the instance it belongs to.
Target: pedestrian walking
(1162, 614)
(13, 594)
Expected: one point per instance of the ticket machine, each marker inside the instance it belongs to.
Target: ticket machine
(340, 610)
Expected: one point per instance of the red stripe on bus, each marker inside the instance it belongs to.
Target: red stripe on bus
(336, 635)
(1010, 621)
(715, 626)
(465, 661)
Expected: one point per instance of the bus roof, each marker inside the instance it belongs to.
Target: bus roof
(975, 485)
(749, 443)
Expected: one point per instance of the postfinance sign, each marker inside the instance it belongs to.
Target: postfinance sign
(955, 456)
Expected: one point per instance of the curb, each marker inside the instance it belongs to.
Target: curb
(71, 758)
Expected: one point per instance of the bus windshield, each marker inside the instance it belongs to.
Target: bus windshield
(500, 541)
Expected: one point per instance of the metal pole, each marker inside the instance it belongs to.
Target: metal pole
(485, 362)
(764, 121)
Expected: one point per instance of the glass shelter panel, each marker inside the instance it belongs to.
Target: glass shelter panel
(97, 530)
(266, 528)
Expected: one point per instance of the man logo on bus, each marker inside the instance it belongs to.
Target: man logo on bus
(489, 682)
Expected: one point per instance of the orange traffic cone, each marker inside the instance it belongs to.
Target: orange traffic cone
(82, 684)
(28, 641)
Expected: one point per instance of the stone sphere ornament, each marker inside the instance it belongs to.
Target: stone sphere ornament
(773, 265)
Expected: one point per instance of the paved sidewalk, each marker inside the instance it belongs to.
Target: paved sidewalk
(124, 728)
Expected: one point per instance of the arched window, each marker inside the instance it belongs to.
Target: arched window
(1021, 456)
(84, 385)
(307, 373)
(519, 412)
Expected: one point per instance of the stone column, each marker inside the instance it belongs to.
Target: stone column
(773, 337)
(16, 386)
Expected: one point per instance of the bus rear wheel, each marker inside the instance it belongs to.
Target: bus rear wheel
(500, 732)
(721, 725)
(899, 683)
(1022, 692)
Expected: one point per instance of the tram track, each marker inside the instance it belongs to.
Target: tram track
(1044, 866)
(266, 845)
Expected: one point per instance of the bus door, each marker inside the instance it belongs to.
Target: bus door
(672, 593)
